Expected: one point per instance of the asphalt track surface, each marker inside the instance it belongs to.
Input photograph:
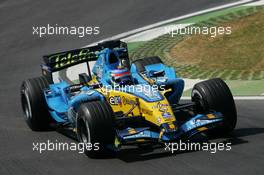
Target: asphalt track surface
(21, 52)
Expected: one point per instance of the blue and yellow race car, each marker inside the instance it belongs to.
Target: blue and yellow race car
(104, 99)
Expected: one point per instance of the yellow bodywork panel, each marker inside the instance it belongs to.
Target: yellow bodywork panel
(155, 112)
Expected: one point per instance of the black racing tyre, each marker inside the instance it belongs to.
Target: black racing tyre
(214, 94)
(34, 104)
(95, 127)
(141, 63)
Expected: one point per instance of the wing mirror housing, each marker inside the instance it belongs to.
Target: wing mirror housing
(84, 78)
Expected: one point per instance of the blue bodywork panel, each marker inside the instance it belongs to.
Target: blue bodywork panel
(60, 101)
(169, 79)
(188, 129)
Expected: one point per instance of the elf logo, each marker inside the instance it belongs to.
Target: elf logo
(115, 100)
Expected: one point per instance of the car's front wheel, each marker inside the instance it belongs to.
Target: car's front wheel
(95, 127)
(214, 94)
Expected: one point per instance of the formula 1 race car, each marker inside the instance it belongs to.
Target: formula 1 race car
(99, 95)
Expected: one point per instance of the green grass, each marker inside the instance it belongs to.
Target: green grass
(134, 45)
(245, 88)
(242, 50)
(240, 63)
(239, 52)
(187, 93)
(241, 88)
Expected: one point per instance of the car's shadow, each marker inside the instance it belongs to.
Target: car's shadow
(134, 153)
(141, 154)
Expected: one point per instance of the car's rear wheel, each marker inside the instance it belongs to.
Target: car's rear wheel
(95, 127)
(34, 104)
(214, 94)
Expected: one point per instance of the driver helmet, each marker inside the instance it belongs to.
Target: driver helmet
(120, 76)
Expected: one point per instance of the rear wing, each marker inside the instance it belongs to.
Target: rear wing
(63, 60)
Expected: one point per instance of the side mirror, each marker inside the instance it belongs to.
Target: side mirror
(84, 78)
(156, 73)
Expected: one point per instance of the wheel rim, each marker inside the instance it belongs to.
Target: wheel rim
(26, 105)
(84, 132)
(198, 100)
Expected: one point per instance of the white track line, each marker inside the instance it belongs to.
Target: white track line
(131, 32)
(258, 3)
